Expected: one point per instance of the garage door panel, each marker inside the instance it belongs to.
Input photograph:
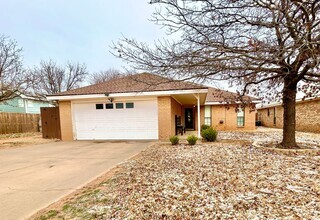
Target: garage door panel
(140, 122)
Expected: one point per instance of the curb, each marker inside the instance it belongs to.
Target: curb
(289, 152)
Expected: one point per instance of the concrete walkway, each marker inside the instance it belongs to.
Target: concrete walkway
(33, 177)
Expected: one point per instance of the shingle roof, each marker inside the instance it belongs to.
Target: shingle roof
(218, 95)
(143, 82)
(147, 82)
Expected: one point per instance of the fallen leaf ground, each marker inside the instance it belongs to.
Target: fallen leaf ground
(271, 135)
(207, 181)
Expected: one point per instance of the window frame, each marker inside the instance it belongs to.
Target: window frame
(21, 103)
(99, 105)
(119, 103)
(241, 118)
(129, 103)
(109, 104)
(30, 104)
(207, 118)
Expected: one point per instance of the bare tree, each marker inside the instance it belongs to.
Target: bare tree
(75, 74)
(50, 78)
(104, 76)
(13, 78)
(268, 48)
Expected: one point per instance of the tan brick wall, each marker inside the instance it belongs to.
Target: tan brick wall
(250, 119)
(268, 119)
(164, 117)
(176, 109)
(307, 116)
(217, 114)
(167, 109)
(228, 115)
(65, 120)
(201, 115)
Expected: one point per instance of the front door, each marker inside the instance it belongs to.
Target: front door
(188, 114)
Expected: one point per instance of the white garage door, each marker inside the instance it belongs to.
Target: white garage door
(118, 121)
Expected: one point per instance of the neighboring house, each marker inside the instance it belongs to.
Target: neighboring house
(23, 104)
(145, 106)
(307, 115)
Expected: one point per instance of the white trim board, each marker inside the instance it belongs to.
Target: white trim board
(132, 94)
(121, 99)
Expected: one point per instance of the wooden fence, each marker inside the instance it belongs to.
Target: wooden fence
(18, 123)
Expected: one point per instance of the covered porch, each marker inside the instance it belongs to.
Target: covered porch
(191, 114)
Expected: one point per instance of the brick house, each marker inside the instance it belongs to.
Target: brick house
(146, 106)
(307, 115)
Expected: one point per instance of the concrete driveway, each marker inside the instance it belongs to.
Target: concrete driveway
(33, 177)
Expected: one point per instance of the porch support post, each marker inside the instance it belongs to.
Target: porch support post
(198, 107)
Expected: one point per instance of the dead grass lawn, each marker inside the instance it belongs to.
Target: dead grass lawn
(22, 139)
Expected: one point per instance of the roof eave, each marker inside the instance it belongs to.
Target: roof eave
(236, 102)
(129, 94)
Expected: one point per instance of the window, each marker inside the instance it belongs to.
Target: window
(129, 105)
(109, 106)
(99, 106)
(20, 103)
(30, 103)
(207, 115)
(240, 117)
(119, 105)
(268, 112)
(259, 116)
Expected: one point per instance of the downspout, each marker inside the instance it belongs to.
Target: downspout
(25, 103)
(225, 118)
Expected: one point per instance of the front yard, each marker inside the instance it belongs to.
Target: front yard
(263, 134)
(22, 139)
(222, 180)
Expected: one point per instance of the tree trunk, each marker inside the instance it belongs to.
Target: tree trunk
(289, 114)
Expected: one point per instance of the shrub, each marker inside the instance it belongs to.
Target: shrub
(192, 139)
(174, 140)
(209, 134)
(204, 127)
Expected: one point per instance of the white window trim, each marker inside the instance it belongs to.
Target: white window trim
(207, 114)
(243, 115)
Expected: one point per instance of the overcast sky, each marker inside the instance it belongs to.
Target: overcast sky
(76, 30)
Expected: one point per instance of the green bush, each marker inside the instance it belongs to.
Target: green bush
(209, 134)
(174, 140)
(192, 139)
(204, 127)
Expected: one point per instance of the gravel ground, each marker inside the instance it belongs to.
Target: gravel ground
(205, 181)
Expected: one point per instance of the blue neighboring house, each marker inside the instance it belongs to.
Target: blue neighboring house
(23, 104)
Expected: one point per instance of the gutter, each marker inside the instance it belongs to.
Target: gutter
(131, 94)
